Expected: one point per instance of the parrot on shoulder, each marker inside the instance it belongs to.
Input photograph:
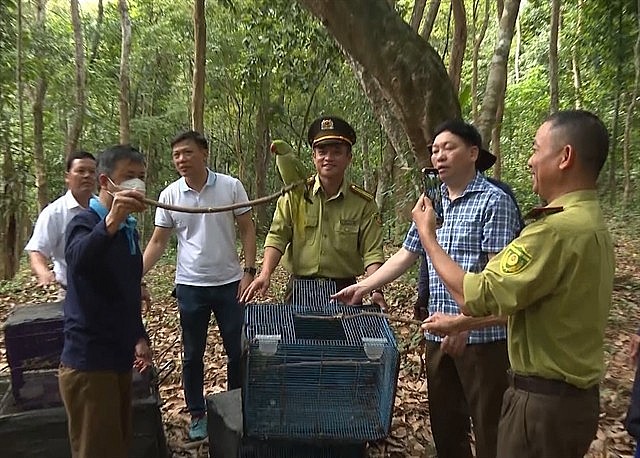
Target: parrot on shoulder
(289, 166)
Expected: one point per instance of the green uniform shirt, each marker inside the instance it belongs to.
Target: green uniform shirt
(555, 281)
(336, 237)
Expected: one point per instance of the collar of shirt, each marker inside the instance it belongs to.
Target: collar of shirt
(477, 184)
(317, 187)
(574, 197)
(211, 179)
(71, 201)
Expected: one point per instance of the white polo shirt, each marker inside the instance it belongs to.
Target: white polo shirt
(48, 233)
(207, 254)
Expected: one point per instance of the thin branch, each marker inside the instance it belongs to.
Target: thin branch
(342, 316)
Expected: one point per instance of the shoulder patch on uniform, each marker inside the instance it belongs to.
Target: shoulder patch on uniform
(539, 212)
(514, 259)
(366, 195)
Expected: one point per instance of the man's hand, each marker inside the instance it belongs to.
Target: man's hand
(424, 215)
(455, 344)
(124, 203)
(378, 298)
(352, 295)
(634, 347)
(143, 359)
(441, 325)
(245, 282)
(146, 298)
(259, 285)
(45, 278)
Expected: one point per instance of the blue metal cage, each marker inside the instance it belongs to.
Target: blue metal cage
(322, 373)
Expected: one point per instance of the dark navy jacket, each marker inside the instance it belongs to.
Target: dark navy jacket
(102, 320)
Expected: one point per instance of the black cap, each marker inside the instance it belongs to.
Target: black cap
(330, 129)
(471, 136)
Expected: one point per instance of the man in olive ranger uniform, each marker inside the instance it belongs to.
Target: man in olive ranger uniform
(331, 229)
(554, 282)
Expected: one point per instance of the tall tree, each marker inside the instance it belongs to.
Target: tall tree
(125, 51)
(200, 36)
(553, 56)
(430, 19)
(459, 43)
(477, 43)
(38, 95)
(410, 74)
(497, 79)
(575, 60)
(417, 13)
(75, 130)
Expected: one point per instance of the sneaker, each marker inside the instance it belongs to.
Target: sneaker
(198, 428)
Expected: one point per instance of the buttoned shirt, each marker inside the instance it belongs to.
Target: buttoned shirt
(334, 237)
(48, 233)
(555, 283)
(207, 253)
(482, 221)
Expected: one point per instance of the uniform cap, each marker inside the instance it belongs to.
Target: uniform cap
(471, 136)
(330, 129)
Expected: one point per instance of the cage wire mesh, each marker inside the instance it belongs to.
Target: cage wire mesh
(318, 370)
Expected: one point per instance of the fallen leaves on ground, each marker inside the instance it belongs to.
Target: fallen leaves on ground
(410, 432)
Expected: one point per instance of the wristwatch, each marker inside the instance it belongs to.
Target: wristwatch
(377, 290)
(250, 270)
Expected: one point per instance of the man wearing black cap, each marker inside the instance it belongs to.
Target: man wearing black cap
(466, 371)
(332, 229)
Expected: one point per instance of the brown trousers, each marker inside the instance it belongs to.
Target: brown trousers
(98, 406)
(540, 425)
(470, 385)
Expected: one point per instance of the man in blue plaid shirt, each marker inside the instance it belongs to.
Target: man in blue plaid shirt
(466, 371)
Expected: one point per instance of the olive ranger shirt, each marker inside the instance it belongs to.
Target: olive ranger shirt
(555, 281)
(335, 237)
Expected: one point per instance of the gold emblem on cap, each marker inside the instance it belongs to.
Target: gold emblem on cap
(326, 124)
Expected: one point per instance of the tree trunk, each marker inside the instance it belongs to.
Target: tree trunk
(125, 51)
(416, 14)
(553, 57)
(366, 169)
(95, 41)
(459, 43)
(496, 81)
(575, 61)
(19, 85)
(516, 57)
(197, 95)
(386, 175)
(262, 156)
(613, 154)
(628, 122)
(410, 74)
(477, 43)
(430, 20)
(37, 109)
(75, 129)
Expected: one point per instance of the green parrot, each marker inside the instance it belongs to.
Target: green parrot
(289, 165)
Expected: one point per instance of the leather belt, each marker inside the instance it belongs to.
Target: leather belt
(540, 385)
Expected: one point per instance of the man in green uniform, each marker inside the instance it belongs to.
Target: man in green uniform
(331, 229)
(554, 282)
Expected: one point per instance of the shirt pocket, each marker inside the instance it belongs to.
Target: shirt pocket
(347, 231)
(310, 227)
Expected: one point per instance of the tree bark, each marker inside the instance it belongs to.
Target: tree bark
(477, 43)
(37, 109)
(497, 79)
(575, 61)
(430, 20)
(75, 129)
(200, 37)
(553, 57)
(262, 156)
(18, 69)
(125, 51)
(95, 41)
(410, 74)
(459, 43)
(416, 14)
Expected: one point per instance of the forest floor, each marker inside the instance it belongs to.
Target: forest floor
(410, 433)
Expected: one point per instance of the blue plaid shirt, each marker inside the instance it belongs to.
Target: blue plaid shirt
(483, 220)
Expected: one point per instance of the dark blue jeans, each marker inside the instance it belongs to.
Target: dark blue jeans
(196, 304)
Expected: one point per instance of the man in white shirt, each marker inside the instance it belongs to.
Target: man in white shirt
(209, 277)
(47, 241)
